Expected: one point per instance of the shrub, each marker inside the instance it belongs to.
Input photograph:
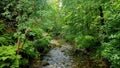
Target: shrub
(85, 41)
(8, 57)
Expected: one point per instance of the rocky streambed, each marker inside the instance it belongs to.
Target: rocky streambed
(61, 56)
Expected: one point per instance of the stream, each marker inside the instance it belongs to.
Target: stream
(61, 56)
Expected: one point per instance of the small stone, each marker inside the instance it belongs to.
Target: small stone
(45, 63)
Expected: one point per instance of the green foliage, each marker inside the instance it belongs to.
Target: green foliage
(91, 24)
(94, 24)
(45, 41)
(6, 39)
(2, 40)
(112, 52)
(8, 57)
(85, 41)
(29, 49)
(111, 47)
(2, 25)
(83, 23)
(23, 23)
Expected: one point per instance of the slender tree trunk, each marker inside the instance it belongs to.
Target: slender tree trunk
(101, 15)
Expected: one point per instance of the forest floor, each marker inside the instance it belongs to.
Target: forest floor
(61, 56)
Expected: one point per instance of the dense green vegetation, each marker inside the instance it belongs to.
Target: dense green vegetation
(23, 31)
(94, 26)
(27, 26)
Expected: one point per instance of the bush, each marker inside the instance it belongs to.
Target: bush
(8, 57)
(85, 41)
(111, 51)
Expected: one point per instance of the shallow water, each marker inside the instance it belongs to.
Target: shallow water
(62, 57)
(57, 58)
